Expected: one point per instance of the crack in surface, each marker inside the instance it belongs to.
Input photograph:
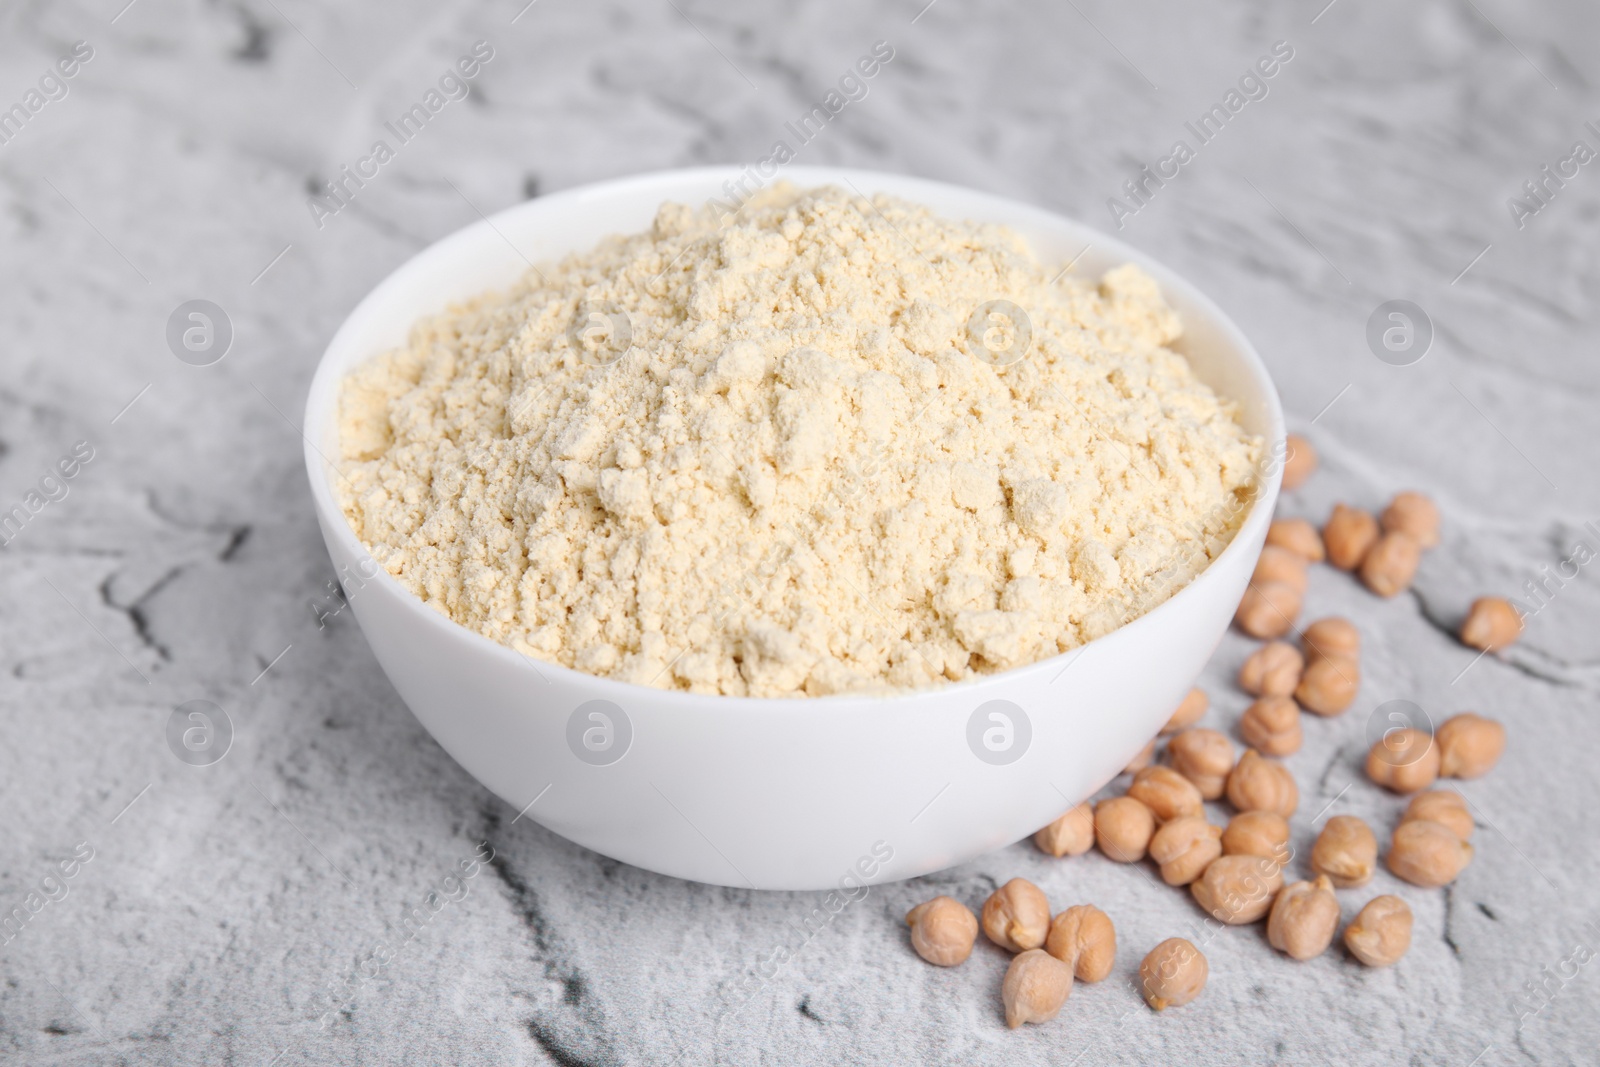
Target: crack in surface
(236, 540)
(1541, 666)
(237, 533)
(257, 45)
(1333, 763)
(551, 1046)
(135, 611)
(1431, 616)
(1524, 659)
(1449, 919)
(573, 1032)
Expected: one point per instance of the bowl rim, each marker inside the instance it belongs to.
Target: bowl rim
(320, 468)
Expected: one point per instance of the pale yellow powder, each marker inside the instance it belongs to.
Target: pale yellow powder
(799, 479)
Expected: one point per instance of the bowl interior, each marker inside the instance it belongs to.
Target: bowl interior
(493, 253)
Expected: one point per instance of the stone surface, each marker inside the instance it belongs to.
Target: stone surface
(225, 908)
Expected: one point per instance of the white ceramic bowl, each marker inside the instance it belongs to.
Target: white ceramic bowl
(779, 794)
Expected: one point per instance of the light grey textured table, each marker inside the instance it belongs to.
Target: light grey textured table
(224, 905)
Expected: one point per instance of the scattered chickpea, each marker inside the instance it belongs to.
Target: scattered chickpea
(1412, 514)
(1184, 848)
(1017, 916)
(1332, 636)
(1381, 932)
(1491, 623)
(1036, 986)
(1238, 889)
(942, 931)
(1299, 537)
(1329, 685)
(1172, 974)
(1168, 794)
(1272, 725)
(1204, 757)
(1427, 853)
(1070, 835)
(1268, 609)
(1404, 760)
(1083, 938)
(1122, 828)
(1348, 534)
(1469, 745)
(1280, 565)
(1299, 462)
(1390, 565)
(1346, 852)
(1257, 833)
(1272, 670)
(1189, 711)
(1236, 875)
(1304, 919)
(1443, 807)
(1258, 784)
(1145, 757)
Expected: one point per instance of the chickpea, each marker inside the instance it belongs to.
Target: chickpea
(1332, 636)
(1238, 889)
(1348, 534)
(1143, 759)
(1414, 515)
(1346, 852)
(1272, 725)
(1258, 784)
(1304, 918)
(1299, 537)
(1070, 835)
(1329, 685)
(1172, 974)
(1017, 916)
(1469, 745)
(1280, 565)
(942, 931)
(1184, 848)
(1193, 706)
(1257, 833)
(1381, 932)
(1083, 938)
(1168, 794)
(1390, 565)
(1122, 828)
(1491, 623)
(1299, 462)
(1427, 853)
(1272, 670)
(1443, 807)
(1204, 757)
(1268, 609)
(1404, 760)
(1035, 987)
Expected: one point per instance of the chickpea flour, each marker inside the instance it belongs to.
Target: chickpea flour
(781, 455)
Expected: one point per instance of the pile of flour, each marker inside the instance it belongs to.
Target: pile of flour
(801, 478)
